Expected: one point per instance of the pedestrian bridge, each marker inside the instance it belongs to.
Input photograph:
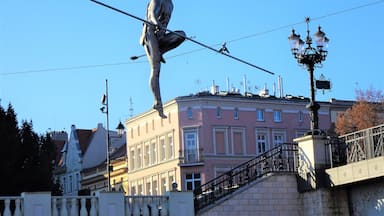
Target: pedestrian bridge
(357, 156)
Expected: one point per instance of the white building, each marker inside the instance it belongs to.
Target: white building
(85, 148)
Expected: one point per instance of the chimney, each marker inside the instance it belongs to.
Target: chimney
(245, 84)
(228, 87)
(214, 88)
(280, 86)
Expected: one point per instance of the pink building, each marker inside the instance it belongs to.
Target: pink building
(207, 134)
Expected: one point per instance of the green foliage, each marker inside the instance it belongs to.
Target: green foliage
(25, 157)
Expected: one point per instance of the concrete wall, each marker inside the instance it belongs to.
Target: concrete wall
(367, 199)
(273, 195)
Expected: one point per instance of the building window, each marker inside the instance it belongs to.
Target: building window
(260, 115)
(153, 153)
(278, 137)
(163, 149)
(300, 116)
(171, 179)
(133, 191)
(220, 140)
(191, 145)
(236, 113)
(192, 181)
(77, 182)
(138, 130)
(277, 116)
(139, 157)
(261, 141)
(147, 154)
(238, 141)
(171, 148)
(140, 190)
(132, 157)
(190, 113)
(218, 112)
(163, 185)
(148, 188)
(154, 188)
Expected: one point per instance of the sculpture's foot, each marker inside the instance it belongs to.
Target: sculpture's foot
(159, 108)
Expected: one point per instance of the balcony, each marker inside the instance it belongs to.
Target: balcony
(191, 157)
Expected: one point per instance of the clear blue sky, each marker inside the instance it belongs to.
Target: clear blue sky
(56, 55)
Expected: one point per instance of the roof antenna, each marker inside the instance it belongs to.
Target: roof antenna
(130, 107)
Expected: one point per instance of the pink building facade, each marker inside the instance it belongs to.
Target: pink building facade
(207, 134)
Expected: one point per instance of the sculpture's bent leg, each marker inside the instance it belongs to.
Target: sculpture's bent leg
(171, 41)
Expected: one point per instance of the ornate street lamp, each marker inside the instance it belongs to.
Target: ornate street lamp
(310, 57)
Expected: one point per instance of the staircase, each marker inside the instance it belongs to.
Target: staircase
(282, 158)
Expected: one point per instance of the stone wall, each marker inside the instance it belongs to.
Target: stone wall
(274, 195)
(325, 202)
(277, 194)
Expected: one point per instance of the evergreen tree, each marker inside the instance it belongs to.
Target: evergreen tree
(47, 158)
(25, 157)
(9, 149)
(30, 154)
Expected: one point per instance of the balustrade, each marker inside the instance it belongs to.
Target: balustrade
(89, 206)
(364, 144)
(11, 206)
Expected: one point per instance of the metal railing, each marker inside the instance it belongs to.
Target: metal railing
(336, 152)
(191, 157)
(282, 158)
(357, 146)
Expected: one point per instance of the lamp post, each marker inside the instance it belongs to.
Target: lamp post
(310, 57)
(120, 131)
(105, 109)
